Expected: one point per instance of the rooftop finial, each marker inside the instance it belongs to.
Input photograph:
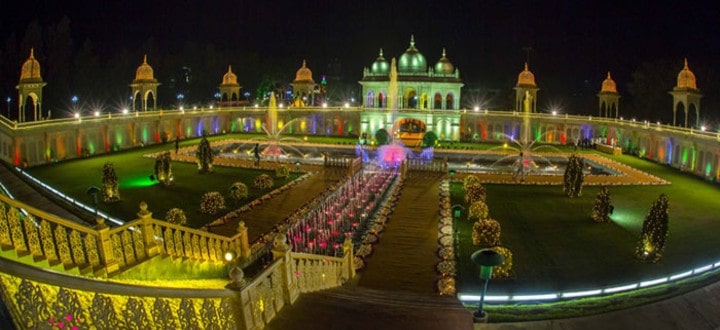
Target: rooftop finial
(526, 67)
(229, 68)
(145, 59)
(443, 54)
(412, 41)
(381, 52)
(32, 54)
(686, 65)
(609, 75)
(304, 63)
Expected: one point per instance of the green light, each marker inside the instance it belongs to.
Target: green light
(708, 169)
(118, 138)
(694, 154)
(144, 135)
(628, 220)
(684, 157)
(136, 182)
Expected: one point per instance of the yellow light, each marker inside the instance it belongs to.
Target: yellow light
(229, 256)
(505, 145)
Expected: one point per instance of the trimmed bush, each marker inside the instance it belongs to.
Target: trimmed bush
(505, 270)
(176, 216)
(651, 244)
(263, 181)
(110, 192)
(238, 191)
(475, 192)
(486, 233)
(212, 203)
(602, 208)
(478, 211)
(282, 172)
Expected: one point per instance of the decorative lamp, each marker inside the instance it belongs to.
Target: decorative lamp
(486, 259)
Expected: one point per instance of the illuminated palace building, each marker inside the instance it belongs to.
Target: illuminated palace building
(427, 100)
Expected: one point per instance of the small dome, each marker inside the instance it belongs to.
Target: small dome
(526, 77)
(444, 65)
(144, 71)
(303, 74)
(380, 66)
(412, 61)
(608, 85)
(229, 78)
(686, 78)
(31, 68)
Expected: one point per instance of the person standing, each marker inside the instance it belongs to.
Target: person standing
(177, 144)
(256, 152)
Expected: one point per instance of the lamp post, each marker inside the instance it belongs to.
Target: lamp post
(8, 106)
(93, 192)
(486, 259)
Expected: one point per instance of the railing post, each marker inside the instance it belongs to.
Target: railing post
(106, 248)
(281, 250)
(243, 242)
(148, 233)
(349, 263)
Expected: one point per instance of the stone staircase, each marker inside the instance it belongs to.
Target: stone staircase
(353, 307)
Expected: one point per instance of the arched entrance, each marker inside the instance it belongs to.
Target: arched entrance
(410, 131)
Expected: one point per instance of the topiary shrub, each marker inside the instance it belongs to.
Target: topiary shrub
(474, 192)
(282, 172)
(212, 203)
(478, 211)
(110, 192)
(176, 216)
(651, 244)
(469, 180)
(573, 177)
(204, 156)
(238, 191)
(382, 137)
(602, 208)
(429, 139)
(505, 270)
(263, 181)
(486, 233)
(163, 168)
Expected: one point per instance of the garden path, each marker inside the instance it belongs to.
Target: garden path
(265, 216)
(405, 258)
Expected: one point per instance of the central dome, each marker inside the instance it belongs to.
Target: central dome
(303, 74)
(526, 77)
(412, 61)
(381, 65)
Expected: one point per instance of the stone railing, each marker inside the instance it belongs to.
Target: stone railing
(104, 250)
(434, 165)
(337, 161)
(37, 298)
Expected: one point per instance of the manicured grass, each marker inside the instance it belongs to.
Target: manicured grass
(557, 247)
(133, 170)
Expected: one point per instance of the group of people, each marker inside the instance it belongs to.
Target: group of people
(256, 150)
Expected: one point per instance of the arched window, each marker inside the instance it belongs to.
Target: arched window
(381, 100)
(437, 102)
(449, 101)
(370, 101)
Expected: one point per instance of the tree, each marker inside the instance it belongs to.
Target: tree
(382, 137)
(429, 139)
(204, 156)
(110, 190)
(649, 88)
(238, 192)
(651, 244)
(486, 233)
(163, 168)
(176, 216)
(602, 208)
(573, 177)
(478, 211)
(59, 62)
(475, 192)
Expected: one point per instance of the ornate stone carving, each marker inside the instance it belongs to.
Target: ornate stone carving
(33, 240)
(163, 315)
(169, 244)
(102, 313)
(187, 243)
(63, 247)
(93, 255)
(209, 314)
(48, 243)
(139, 245)
(179, 251)
(128, 247)
(135, 316)
(16, 230)
(4, 228)
(31, 304)
(187, 315)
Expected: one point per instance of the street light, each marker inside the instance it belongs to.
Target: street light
(8, 103)
(93, 192)
(486, 259)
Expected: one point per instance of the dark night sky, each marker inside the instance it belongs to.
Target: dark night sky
(572, 41)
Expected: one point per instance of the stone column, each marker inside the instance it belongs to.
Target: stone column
(105, 247)
(243, 243)
(148, 233)
(281, 250)
(349, 263)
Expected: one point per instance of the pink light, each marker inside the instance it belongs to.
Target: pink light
(335, 233)
(323, 244)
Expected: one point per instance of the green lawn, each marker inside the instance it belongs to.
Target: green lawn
(133, 170)
(556, 247)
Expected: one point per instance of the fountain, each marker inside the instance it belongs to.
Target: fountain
(392, 154)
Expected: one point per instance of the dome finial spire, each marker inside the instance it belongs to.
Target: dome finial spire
(145, 59)
(32, 54)
(443, 53)
(686, 65)
(381, 52)
(412, 41)
(229, 67)
(304, 66)
(526, 67)
(609, 75)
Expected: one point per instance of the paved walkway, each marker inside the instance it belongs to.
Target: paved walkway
(406, 255)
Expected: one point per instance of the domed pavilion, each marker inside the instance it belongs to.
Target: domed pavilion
(609, 98)
(419, 86)
(686, 97)
(30, 89)
(304, 87)
(144, 87)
